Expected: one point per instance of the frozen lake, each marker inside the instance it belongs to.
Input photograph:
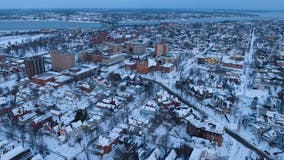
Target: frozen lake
(37, 25)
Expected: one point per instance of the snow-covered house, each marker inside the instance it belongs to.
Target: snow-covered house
(105, 143)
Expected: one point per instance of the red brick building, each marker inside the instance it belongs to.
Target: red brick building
(44, 78)
(146, 66)
(202, 133)
(167, 68)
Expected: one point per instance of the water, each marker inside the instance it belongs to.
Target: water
(37, 25)
(271, 14)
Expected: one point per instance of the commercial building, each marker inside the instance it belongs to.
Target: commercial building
(61, 62)
(112, 59)
(44, 78)
(81, 72)
(34, 65)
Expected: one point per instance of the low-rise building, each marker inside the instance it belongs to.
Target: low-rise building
(112, 59)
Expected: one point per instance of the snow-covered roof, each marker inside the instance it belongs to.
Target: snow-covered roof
(172, 155)
(68, 129)
(41, 118)
(152, 62)
(77, 124)
(63, 78)
(37, 157)
(149, 108)
(196, 154)
(128, 62)
(96, 117)
(13, 153)
(3, 100)
(228, 59)
(47, 75)
(26, 107)
(156, 154)
(103, 141)
(27, 117)
(3, 142)
(104, 105)
(167, 65)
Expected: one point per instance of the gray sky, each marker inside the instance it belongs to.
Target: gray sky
(192, 4)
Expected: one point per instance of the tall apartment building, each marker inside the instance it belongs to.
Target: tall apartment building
(61, 61)
(34, 65)
(115, 48)
(135, 47)
(161, 49)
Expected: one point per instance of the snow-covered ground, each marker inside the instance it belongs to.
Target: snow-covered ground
(4, 41)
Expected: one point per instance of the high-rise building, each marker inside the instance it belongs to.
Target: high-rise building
(135, 47)
(34, 65)
(161, 49)
(114, 48)
(61, 61)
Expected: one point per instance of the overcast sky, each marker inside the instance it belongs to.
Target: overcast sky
(191, 4)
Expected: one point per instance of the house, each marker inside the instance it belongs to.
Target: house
(148, 110)
(18, 153)
(221, 101)
(95, 119)
(167, 68)
(37, 157)
(196, 154)
(76, 126)
(27, 117)
(24, 109)
(106, 106)
(172, 155)
(38, 122)
(156, 154)
(105, 143)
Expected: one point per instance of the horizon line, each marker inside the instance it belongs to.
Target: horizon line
(130, 8)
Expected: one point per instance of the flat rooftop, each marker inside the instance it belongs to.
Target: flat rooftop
(46, 75)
